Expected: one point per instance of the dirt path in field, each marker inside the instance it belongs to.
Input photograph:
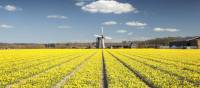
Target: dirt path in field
(104, 83)
(136, 73)
(72, 73)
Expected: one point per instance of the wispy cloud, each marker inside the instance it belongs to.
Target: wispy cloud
(11, 8)
(158, 29)
(64, 27)
(57, 17)
(108, 23)
(80, 3)
(130, 33)
(141, 38)
(108, 6)
(5, 26)
(121, 31)
(136, 24)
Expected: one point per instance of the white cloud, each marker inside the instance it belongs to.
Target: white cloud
(130, 33)
(80, 3)
(108, 23)
(108, 6)
(5, 26)
(64, 27)
(136, 24)
(56, 17)
(165, 29)
(121, 31)
(11, 8)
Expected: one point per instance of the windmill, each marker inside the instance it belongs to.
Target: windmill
(100, 40)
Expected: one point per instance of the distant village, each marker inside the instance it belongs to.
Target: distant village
(160, 43)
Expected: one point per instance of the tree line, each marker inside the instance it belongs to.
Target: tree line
(151, 43)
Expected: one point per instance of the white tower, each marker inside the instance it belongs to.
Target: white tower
(100, 40)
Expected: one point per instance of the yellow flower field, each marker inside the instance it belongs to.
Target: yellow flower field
(93, 68)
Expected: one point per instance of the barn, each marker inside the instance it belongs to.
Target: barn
(187, 42)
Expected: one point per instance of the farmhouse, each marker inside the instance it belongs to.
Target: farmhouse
(187, 42)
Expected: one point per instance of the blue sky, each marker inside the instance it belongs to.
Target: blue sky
(50, 21)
